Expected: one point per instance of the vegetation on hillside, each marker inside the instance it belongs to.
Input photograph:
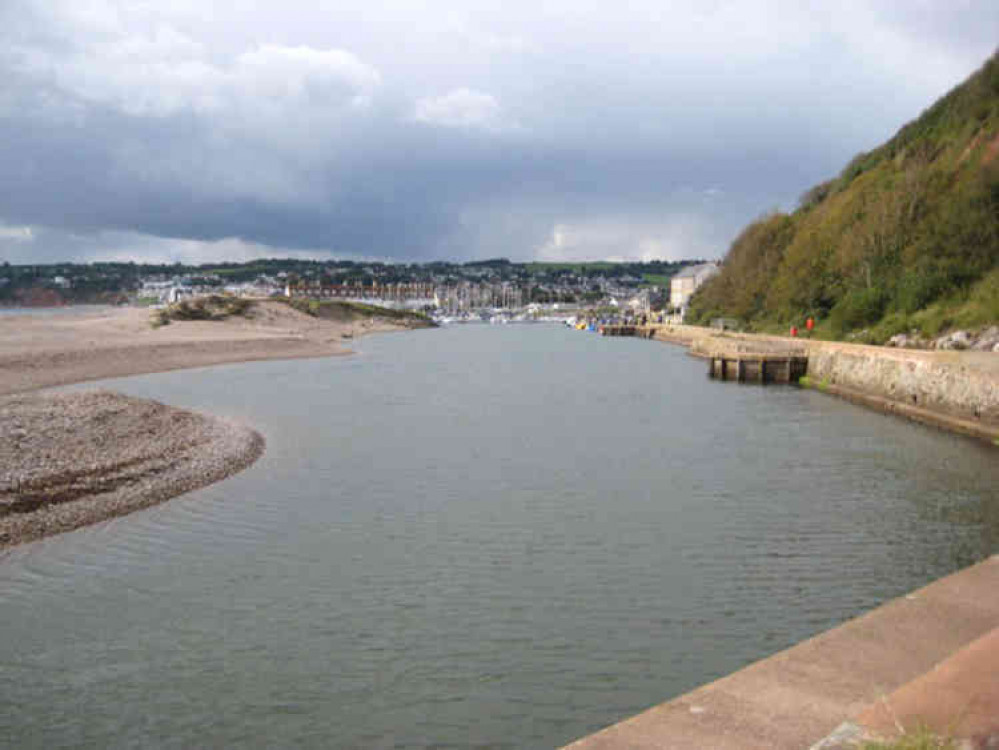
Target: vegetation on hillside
(906, 237)
(212, 307)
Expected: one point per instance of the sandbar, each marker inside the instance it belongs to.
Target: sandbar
(43, 351)
(72, 459)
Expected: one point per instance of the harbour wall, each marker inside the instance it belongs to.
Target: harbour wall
(896, 661)
(955, 390)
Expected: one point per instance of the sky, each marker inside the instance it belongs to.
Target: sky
(405, 130)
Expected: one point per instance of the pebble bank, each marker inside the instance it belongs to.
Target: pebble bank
(72, 459)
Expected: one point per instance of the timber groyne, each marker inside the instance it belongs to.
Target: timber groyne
(759, 368)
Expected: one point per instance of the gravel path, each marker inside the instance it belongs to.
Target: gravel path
(72, 459)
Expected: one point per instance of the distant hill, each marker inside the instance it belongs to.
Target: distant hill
(906, 237)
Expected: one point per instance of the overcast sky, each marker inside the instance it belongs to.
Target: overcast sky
(187, 130)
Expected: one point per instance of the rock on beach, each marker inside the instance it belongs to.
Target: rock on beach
(72, 459)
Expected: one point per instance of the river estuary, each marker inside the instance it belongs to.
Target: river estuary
(485, 537)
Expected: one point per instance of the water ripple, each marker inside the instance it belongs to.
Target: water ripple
(476, 538)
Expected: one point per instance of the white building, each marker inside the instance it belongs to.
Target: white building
(167, 292)
(683, 285)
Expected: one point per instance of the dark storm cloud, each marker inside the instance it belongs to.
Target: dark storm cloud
(451, 130)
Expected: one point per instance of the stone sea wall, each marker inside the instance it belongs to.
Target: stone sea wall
(956, 390)
(962, 387)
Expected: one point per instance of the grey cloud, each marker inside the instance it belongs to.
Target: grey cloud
(462, 130)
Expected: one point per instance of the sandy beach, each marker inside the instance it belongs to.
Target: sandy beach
(71, 459)
(43, 351)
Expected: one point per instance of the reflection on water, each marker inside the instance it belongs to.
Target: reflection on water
(480, 537)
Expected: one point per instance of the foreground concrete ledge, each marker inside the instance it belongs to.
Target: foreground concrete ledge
(797, 697)
(958, 698)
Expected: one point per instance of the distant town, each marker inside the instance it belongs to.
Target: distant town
(441, 288)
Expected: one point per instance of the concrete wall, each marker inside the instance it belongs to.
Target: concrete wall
(796, 697)
(964, 385)
(958, 390)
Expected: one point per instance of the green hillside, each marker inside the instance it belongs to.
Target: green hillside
(906, 237)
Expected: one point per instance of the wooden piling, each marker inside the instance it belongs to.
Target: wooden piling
(758, 368)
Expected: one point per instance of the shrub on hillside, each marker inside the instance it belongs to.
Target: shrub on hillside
(858, 308)
(212, 307)
(909, 230)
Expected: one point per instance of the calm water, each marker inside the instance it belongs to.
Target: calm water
(490, 537)
(47, 311)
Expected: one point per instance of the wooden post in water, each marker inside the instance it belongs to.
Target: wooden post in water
(760, 368)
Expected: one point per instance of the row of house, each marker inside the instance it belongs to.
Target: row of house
(451, 296)
(404, 293)
(168, 291)
(454, 297)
